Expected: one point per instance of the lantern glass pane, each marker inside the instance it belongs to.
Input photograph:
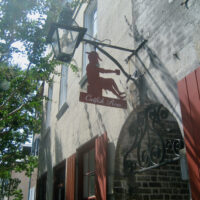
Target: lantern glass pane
(55, 43)
(68, 40)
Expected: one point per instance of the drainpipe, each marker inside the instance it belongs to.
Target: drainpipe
(29, 184)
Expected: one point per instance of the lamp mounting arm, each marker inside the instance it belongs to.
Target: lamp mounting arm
(94, 43)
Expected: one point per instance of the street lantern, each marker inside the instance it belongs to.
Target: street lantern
(65, 36)
(65, 39)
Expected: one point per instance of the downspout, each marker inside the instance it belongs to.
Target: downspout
(29, 184)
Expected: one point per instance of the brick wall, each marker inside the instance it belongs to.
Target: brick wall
(161, 183)
(24, 185)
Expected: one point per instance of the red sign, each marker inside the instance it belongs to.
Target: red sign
(96, 84)
(105, 101)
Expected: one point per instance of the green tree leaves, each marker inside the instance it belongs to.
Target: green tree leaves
(21, 91)
(24, 22)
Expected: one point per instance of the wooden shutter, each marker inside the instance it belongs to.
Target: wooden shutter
(189, 94)
(100, 159)
(71, 176)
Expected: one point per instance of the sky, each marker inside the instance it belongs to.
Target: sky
(19, 58)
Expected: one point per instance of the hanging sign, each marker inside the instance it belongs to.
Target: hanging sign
(96, 85)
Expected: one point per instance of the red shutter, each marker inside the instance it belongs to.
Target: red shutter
(189, 94)
(100, 157)
(71, 176)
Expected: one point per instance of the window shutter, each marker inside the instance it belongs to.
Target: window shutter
(189, 94)
(100, 159)
(70, 183)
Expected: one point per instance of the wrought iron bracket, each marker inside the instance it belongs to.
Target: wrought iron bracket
(152, 146)
(133, 53)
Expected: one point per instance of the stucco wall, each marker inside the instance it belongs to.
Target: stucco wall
(81, 121)
(172, 51)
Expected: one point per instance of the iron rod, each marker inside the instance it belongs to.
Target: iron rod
(116, 62)
(108, 45)
(136, 51)
(133, 52)
(157, 165)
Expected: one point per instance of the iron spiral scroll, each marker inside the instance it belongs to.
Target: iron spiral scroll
(153, 141)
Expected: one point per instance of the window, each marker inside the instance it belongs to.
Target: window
(87, 172)
(91, 171)
(90, 22)
(63, 92)
(41, 187)
(48, 106)
(35, 148)
(59, 182)
(63, 86)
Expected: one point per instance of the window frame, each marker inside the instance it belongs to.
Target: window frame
(90, 172)
(49, 105)
(35, 148)
(63, 106)
(88, 20)
(80, 152)
(74, 180)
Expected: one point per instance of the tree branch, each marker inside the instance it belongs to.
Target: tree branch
(15, 91)
(14, 111)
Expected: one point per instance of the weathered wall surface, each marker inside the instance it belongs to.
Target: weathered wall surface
(81, 121)
(172, 51)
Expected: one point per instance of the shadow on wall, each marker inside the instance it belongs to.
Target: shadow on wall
(46, 162)
(110, 170)
(88, 119)
(45, 165)
(148, 63)
(58, 149)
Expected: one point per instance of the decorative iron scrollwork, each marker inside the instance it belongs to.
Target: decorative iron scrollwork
(152, 144)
